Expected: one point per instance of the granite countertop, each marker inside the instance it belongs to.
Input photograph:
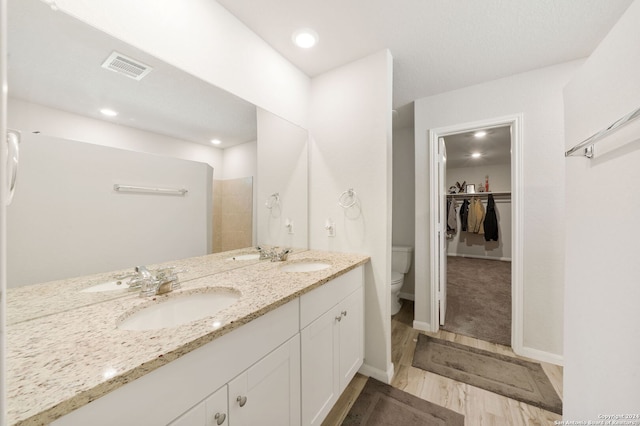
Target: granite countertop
(61, 361)
(33, 301)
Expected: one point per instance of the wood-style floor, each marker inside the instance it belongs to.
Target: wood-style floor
(479, 406)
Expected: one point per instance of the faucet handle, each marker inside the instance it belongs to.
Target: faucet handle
(142, 271)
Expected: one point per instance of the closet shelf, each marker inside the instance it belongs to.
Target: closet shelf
(481, 194)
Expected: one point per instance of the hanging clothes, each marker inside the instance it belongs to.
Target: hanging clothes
(491, 221)
(452, 220)
(464, 215)
(475, 222)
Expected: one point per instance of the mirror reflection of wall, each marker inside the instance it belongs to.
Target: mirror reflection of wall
(234, 199)
(68, 219)
(282, 170)
(168, 113)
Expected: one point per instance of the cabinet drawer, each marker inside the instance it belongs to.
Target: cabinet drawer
(320, 300)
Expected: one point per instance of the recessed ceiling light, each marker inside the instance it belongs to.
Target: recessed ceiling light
(480, 134)
(476, 155)
(305, 38)
(108, 112)
(216, 141)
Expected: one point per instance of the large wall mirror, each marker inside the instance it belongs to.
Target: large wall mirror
(60, 226)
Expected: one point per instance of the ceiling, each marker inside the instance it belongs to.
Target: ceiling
(495, 148)
(55, 60)
(437, 45)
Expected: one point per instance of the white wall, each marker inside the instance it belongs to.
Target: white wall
(29, 117)
(283, 169)
(351, 148)
(499, 176)
(538, 96)
(474, 245)
(404, 198)
(602, 291)
(66, 219)
(206, 41)
(240, 161)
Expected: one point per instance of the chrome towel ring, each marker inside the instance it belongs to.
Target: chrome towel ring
(348, 198)
(273, 200)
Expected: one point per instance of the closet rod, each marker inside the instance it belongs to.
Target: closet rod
(588, 143)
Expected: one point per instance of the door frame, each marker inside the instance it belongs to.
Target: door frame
(517, 211)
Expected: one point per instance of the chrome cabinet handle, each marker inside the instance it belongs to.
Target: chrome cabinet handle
(13, 157)
(344, 313)
(241, 400)
(220, 418)
(339, 318)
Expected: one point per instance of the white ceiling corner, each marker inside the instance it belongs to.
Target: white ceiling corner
(437, 45)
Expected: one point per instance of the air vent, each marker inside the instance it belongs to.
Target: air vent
(124, 65)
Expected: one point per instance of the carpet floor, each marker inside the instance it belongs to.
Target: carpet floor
(382, 405)
(479, 299)
(514, 378)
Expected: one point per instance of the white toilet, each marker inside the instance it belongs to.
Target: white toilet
(400, 265)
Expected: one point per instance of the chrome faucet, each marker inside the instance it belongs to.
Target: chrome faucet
(264, 253)
(281, 256)
(160, 282)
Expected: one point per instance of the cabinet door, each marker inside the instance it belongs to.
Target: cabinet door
(320, 371)
(268, 393)
(351, 336)
(204, 414)
(217, 413)
(194, 417)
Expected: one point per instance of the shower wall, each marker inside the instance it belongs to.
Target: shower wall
(232, 214)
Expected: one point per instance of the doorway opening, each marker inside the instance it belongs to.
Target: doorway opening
(478, 234)
(476, 275)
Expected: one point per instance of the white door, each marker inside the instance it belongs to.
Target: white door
(442, 229)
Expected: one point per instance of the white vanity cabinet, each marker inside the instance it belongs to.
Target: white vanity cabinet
(268, 393)
(213, 411)
(286, 368)
(264, 354)
(332, 343)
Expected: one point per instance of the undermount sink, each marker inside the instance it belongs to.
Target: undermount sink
(107, 286)
(305, 266)
(254, 256)
(180, 309)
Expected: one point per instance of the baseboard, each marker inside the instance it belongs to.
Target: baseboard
(539, 355)
(473, 256)
(376, 373)
(422, 326)
(407, 296)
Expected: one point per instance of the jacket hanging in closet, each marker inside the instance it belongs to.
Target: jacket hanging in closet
(452, 220)
(464, 215)
(475, 221)
(491, 221)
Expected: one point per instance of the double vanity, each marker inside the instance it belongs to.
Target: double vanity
(241, 341)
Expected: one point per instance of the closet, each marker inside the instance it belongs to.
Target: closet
(478, 267)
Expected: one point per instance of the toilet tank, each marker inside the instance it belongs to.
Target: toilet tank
(401, 258)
